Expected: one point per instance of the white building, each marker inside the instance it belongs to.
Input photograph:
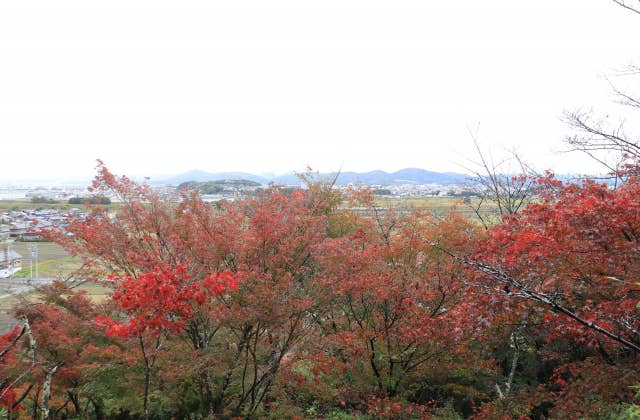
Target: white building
(10, 262)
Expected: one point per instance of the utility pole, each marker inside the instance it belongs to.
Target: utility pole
(9, 261)
(35, 247)
(34, 254)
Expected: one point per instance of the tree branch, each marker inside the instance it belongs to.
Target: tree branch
(546, 299)
(628, 6)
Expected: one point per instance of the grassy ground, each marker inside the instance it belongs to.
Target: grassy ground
(7, 322)
(53, 261)
(7, 304)
(47, 251)
(54, 269)
(17, 205)
(419, 202)
(97, 293)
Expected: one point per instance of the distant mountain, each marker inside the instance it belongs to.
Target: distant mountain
(404, 176)
(421, 176)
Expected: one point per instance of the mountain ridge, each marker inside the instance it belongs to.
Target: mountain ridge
(374, 177)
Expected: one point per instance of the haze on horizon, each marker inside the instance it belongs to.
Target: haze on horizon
(159, 87)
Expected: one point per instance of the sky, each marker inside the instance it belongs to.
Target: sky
(162, 87)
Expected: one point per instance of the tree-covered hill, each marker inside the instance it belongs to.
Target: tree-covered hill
(216, 187)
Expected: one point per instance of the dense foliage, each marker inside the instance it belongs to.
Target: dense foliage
(98, 199)
(40, 199)
(216, 187)
(290, 305)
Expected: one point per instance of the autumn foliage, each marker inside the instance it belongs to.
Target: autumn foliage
(298, 304)
(577, 247)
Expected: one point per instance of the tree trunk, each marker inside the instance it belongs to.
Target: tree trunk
(514, 365)
(147, 384)
(97, 409)
(149, 362)
(75, 401)
(216, 404)
(46, 392)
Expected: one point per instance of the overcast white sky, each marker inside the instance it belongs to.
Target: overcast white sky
(159, 87)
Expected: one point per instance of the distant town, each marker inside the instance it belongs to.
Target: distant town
(26, 207)
(227, 185)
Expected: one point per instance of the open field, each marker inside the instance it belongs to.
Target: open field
(17, 205)
(96, 292)
(53, 261)
(47, 251)
(435, 204)
(7, 322)
(438, 205)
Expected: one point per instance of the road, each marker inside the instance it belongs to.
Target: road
(18, 286)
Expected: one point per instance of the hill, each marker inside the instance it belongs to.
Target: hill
(202, 176)
(377, 177)
(215, 187)
(404, 176)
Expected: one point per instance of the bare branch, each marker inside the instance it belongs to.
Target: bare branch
(628, 5)
(623, 97)
(599, 142)
(508, 192)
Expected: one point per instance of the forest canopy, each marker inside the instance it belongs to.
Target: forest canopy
(291, 304)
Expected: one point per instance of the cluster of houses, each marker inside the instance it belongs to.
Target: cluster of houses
(22, 225)
(423, 190)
